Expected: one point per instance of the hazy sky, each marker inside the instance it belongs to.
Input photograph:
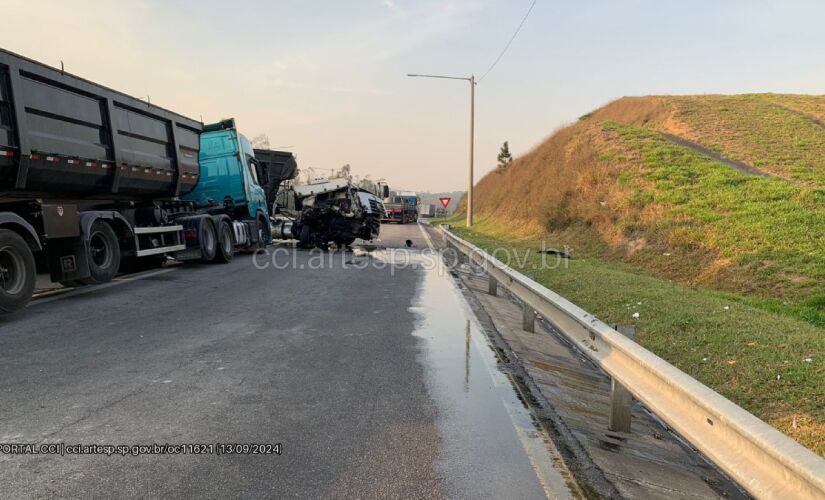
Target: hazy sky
(326, 79)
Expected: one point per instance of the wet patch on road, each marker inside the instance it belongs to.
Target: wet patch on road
(491, 446)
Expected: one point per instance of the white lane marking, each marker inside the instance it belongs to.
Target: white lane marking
(94, 288)
(426, 236)
(552, 472)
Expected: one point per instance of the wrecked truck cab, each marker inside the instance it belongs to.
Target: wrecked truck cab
(329, 211)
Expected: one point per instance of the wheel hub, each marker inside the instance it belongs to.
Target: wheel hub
(5, 275)
(98, 250)
(11, 271)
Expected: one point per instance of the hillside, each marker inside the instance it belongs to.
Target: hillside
(701, 221)
(726, 192)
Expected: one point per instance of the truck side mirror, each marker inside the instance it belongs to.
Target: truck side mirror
(385, 192)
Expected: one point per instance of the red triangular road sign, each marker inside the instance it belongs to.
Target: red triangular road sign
(445, 201)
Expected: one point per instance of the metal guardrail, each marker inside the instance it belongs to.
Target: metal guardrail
(765, 462)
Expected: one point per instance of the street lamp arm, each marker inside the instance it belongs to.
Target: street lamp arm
(440, 76)
(472, 80)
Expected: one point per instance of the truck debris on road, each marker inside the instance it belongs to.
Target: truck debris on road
(328, 211)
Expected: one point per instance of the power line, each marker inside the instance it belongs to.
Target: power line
(508, 43)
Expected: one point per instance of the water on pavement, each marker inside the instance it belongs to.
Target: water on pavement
(490, 446)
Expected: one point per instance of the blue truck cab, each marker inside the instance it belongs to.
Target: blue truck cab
(228, 174)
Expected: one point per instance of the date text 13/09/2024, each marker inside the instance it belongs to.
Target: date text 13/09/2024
(64, 449)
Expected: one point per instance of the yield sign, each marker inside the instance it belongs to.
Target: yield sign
(445, 201)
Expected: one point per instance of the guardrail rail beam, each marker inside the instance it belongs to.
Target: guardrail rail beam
(765, 462)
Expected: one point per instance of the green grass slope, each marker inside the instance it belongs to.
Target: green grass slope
(613, 185)
(651, 220)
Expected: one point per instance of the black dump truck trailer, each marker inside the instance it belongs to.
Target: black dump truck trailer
(273, 169)
(90, 179)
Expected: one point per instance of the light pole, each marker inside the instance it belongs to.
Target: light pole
(472, 80)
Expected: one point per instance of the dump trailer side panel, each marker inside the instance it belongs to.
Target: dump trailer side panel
(62, 136)
(274, 168)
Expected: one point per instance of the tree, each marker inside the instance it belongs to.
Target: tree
(260, 141)
(504, 157)
(344, 172)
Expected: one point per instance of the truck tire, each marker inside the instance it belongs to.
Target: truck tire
(104, 254)
(264, 232)
(226, 246)
(17, 272)
(208, 240)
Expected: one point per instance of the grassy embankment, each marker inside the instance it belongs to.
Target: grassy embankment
(734, 344)
(725, 270)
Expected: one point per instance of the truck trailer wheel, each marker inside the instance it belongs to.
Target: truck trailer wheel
(226, 247)
(104, 254)
(208, 240)
(17, 272)
(264, 232)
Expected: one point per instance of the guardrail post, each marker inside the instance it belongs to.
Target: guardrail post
(621, 400)
(528, 321)
(492, 285)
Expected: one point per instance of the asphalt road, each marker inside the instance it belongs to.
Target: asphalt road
(374, 378)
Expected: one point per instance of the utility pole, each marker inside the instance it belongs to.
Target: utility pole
(472, 148)
(472, 80)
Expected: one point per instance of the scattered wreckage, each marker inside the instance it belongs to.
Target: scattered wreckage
(327, 211)
(322, 211)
